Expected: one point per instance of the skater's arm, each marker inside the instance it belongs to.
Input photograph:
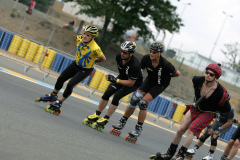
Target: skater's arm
(176, 74)
(128, 83)
(100, 59)
(228, 123)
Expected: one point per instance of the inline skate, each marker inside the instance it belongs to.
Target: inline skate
(54, 107)
(47, 98)
(100, 124)
(134, 134)
(91, 119)
(117, 129)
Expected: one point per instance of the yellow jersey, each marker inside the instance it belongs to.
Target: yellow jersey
(86, 55)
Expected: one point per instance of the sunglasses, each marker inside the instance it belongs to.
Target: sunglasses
(86, 34)
(211, 74)
(124, 52)
(153, 52)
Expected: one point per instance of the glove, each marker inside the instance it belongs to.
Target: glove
(218, 131)
(235, 121)
(111, 78)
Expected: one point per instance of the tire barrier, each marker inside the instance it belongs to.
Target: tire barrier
(15, 44)
(6, 40)
(48, 59)
(171, 109)
(178, 114)
(103, 84)
(32, 50)
(95, 81)
(66, 62)
(227, 136)
(23, 48)
(162, 107)
(152, 106)
(57, 62)
(38, 57)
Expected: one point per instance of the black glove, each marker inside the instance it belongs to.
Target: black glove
(235, 121)
(111, 78)
(217, 131)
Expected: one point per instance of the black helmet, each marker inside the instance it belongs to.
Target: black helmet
(157, 47)
(129, 46)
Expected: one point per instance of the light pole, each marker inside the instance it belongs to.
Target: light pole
(210, 57)
(185, 5)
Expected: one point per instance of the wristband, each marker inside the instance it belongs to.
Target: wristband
(220, 128)
(117, 81)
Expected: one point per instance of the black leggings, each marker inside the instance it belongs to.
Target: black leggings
(76, 73)
(120, 91)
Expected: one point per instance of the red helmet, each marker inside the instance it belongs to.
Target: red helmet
(215, 68)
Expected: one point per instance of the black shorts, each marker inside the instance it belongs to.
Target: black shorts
(119, 91)
(236, 134)
(154, 90)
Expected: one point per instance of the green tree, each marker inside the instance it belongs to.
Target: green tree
(232, 56)
(129, 14)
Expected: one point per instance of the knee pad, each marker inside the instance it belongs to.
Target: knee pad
(135, 99)
(204, 137)
(143, 105)
(213, 141)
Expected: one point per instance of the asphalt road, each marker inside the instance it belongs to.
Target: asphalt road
(28, 132)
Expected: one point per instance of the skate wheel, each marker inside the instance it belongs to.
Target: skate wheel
(127, 138)
(57, 113)
(47, 108)
(85, 121)
(153, 157)
(119, 133)
(112, 131)
(51, 111)
(94, 125)
(37, 99)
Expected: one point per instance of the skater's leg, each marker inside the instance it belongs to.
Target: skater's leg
(68, 73)
(186, 121)
(228, 147)
(129, 111)
(143, 107)
(189, 138)
(234, 149)
(102, 104)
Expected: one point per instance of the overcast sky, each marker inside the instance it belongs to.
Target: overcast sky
(203, 20)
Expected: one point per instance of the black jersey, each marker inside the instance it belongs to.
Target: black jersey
(131, 70)
(159, 75)
(212, 103)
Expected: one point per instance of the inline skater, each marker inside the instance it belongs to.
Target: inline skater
(159, 76)
(221, 125)
(210, 97)
(128, 80)
(88, 53)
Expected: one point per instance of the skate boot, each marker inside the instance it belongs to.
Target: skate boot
(47, 98)
(100, 124)
(91, 119)
(208, 157)
(178, 157)
(161, 156)
(54, 107)
(224, 158)
(117, 129)
(134, 134)
(190, 153)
